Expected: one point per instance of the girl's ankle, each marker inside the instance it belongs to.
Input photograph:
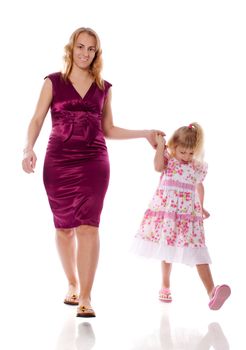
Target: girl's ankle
(165, 288)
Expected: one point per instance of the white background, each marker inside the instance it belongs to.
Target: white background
(170, 63)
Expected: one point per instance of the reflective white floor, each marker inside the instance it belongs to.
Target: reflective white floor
(129, 316)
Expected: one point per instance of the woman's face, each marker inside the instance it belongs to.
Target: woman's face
(183, 154)
(84, 50)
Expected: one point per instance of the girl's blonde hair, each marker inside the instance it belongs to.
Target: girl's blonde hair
(96, 65)
(190, 137)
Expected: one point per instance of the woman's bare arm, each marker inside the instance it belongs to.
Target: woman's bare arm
(35, 125)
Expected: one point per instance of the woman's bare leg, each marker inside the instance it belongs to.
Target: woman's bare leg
(66, 245)
(87, 260)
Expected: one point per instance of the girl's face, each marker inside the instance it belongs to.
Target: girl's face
(183, 154)
(84, 50)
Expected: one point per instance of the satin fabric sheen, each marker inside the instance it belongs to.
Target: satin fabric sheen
(76, 166)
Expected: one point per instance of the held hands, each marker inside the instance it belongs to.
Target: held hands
(29, 161)
(160, 140)
(154, 137)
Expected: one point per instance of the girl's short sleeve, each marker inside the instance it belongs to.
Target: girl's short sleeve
(201, 170)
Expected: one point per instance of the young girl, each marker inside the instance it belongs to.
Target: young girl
(172, 227)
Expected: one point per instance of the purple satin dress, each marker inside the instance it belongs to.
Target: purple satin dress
(76, 165)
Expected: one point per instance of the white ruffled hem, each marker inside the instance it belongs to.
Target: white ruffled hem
(185, 255)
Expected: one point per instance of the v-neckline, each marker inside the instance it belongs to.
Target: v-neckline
(88, 90)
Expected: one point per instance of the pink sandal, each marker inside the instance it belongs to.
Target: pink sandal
(165, 295)
(219, 296)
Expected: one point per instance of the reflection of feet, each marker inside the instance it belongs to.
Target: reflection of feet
(86, 338)
(166, 338)
(214, 339)
(67, 335)
(84, 311)
(72, 297)
(219, 296)
(218, 339)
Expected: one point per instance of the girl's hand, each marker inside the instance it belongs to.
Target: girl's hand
(152, 137)
(205, 214)
(29, 161)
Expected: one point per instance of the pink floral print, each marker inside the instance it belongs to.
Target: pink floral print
(174, 215)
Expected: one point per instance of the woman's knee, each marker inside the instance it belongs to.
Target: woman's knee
(87, 230)
(65, 233)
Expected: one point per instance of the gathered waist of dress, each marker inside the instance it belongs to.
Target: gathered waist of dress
(163, 214)
(178, 184)
(83, 124)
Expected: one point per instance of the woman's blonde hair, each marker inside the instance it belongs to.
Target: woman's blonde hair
(96, 65)
(190, 137)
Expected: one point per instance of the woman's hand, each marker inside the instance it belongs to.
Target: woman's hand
(205, 213)
(160, 140)
(29, 161)
(154, 135)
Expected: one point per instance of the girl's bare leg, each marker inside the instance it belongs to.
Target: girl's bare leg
(87, 260)
(206, 277)
(66, 245)
(166, 271)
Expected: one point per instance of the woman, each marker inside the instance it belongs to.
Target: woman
(76, 166)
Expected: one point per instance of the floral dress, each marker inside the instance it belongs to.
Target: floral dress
(172, 227)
